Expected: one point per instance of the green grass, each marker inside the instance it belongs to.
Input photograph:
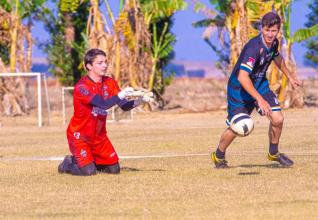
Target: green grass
(164, 188)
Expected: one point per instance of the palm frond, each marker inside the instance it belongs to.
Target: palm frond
(305, 33)
(156, 10)
(203, 23)
(69, 6)
(224, 6)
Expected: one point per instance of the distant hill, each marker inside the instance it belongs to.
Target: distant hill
(207, 69)
(307, 72)
(200, 69)
(40, 65)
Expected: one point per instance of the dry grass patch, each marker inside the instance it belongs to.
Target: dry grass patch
(164, 188)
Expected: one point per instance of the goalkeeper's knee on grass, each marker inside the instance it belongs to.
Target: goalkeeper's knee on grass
(68, 165)
(112, 169)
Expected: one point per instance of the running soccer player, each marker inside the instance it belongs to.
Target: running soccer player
(94, 93)
(248, 88)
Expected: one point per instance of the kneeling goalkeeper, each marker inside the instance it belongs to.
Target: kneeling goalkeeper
(94, 93)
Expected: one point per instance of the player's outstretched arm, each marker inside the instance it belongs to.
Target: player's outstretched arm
(247, 84)
(98, 101)
(280, 63)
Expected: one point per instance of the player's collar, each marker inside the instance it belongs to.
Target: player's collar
(262, 39)
(92, 81)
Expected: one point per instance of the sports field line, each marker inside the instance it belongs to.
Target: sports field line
(120, 157)
(56, 158)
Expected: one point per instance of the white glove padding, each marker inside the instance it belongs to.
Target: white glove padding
(126, 92)
(147, 98)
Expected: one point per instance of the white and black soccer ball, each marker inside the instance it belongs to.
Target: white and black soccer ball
(242, 124)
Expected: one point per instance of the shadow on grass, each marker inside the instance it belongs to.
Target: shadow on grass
(248, 173)
(272, 166)
(130, 169)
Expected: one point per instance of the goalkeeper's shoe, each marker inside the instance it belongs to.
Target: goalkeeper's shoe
(219, 163)
(65, 164)
(281, 158)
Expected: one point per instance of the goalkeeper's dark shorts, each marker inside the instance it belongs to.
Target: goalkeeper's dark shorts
(235, 108)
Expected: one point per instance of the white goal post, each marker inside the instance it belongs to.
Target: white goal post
(39, 93)
(113, 113)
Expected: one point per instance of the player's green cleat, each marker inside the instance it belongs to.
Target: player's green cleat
(281, 158)
(219, 163)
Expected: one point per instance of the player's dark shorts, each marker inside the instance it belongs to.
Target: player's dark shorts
(101, 153)
(247, 108)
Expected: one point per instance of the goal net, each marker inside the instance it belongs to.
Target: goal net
(34, 93)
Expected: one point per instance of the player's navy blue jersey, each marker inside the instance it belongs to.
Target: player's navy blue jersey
(254, 59)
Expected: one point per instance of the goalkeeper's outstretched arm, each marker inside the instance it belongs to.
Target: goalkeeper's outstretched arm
(126, 105)
(119, 99)
(98, 101)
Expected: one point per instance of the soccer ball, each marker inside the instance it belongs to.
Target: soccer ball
(242, 124)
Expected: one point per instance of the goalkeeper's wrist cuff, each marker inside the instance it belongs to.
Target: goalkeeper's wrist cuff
(121, 95)
(137, 102)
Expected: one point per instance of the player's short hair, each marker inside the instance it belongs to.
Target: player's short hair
(91, 55)
(270, 19)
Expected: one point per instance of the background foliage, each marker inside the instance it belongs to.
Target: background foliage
(312, 44)
(66, 57)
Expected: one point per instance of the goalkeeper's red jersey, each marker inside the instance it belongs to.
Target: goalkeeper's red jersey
(89, 122)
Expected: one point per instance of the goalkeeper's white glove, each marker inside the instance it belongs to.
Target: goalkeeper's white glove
(126, 92)
(147, 98)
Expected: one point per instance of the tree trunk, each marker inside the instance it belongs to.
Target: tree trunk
(289, 96)
(13, 96)
(243, 25)
(14, 39)
(69, 31)
(13, 90)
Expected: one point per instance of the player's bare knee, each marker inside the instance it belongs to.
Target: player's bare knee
(278, 121)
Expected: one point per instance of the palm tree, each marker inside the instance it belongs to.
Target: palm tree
(19, 52)
(158, 19)
(70, 12)
(287, 96)
(229, 19)
(140, 25)
(126, 43)
(66, 24)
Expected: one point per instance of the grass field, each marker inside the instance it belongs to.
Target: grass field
(172, 184)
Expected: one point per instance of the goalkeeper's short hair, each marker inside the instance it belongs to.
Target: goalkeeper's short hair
(91, 55)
